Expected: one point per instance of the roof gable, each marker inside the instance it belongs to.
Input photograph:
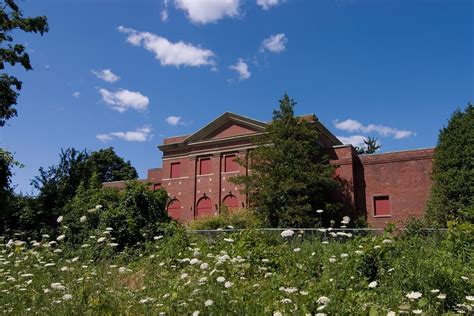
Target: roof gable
(226, 126)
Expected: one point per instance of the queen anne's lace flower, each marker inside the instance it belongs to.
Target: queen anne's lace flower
(414, 295)
(287, 233)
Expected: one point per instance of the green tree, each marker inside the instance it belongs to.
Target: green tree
(452, 194)
(290, 177)
(110, 167)
(7, 162)
(371, 146)
(11, 19)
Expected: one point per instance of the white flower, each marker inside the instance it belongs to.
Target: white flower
(230, 227)
(196, 313)
(184, 276)
(143, 301)
(109, 229)
(332, 260)
(344, 255)
(60, 219)
(157, 237)
(441, 296)
(359, 252)
(373, 284)
(391, 313)
(229, 240)
(194, 261)
(286, 301)
(122, 270)
(208, 303)
(101, 239)
(465, 278)
(434, 291)
(83, 219)
(346, 220)
(277, 313)
(64, 269)
(204, 266)
(417, 311)
(57, 286)
(227, 284)
(387, 241)
(287, 233)
(413, 295)
(470, 298)
(324, 300)
(113, 244)
(98, 207)
(297, 250)
(67, 297)
(319, 211)
(60, 237)
(220, 279)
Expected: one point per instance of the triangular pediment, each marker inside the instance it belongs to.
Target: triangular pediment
(227, 125)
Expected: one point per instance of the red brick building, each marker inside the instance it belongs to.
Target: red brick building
(196, 170)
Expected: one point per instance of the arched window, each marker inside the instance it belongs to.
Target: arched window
(231, 202)
(204, 207)
(174, 209)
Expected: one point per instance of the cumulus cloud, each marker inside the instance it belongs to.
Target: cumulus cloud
(350, 125)
(122, 99)
(173, 120)
(354, 140)
(106, 75)
(139, 135)
(169, 53)
(76, 94)
(208, 11)
(267, 4)
(275, 43)
(242, 69)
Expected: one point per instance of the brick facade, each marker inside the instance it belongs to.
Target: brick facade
(386, 187)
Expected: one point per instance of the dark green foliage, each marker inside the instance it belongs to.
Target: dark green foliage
(76, 172)
(136, 214)
(11, 19)
(452, 195)
(371, 146)
(111, 167)
(7, 162)
(291, 177)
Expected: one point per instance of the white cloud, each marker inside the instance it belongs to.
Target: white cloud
(242, 69)
(122, 100)
(267, 4)
(76, 94)
(275, 43)
(173, 120)
(168, 53)
(350, 125)
(164, 15)
(139, 135)
(354, 140)
(106, 75)
(207, 11)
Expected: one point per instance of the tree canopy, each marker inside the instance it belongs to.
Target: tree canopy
(290, 177)
(452, 193)
(370, 146)
(11, 19)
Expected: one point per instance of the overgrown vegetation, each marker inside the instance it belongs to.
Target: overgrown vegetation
(237, 273)
(452, 195)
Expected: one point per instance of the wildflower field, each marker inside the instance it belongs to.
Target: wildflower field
(248, 272)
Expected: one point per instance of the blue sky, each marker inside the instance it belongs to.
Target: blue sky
(128, 73)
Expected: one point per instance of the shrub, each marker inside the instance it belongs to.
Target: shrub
(243, 218)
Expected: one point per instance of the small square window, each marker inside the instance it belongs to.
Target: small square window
(382, 206)
(230, 164)
(156, 186)
(175, 170)
(205, 166)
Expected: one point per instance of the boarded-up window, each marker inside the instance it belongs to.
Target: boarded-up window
(231, 202)
(381, 206)
(156, 186)
(205, 166)
(175, 170)
(230, 164)
(174, 209)
(204, 207)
